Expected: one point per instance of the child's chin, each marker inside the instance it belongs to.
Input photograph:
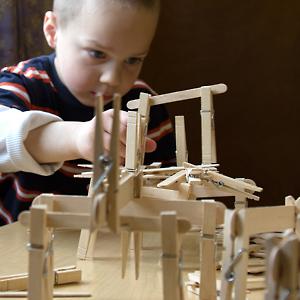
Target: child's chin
(88, 101)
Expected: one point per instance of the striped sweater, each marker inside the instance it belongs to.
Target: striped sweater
(31, 95)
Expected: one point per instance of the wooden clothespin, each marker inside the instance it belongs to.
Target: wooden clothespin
(171, 261)
(88, 237)
(41, 279)
(228, 275)
(207, 246)
(181, 149)
(283, 269)
(132, 141)
(113, 176)
(103, 205)
(291, 201)
(18, 282)
(232, 183)
(208, 127)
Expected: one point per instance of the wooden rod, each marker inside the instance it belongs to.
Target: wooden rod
(179, 96)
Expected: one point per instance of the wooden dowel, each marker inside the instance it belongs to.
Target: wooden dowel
(179, 96)
(55, 295)
(59, 219)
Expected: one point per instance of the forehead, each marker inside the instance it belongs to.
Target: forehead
(115, 26)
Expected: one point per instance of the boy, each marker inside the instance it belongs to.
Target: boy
(46, 104)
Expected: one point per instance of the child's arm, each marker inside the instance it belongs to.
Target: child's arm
(60, 141)
(39, 142)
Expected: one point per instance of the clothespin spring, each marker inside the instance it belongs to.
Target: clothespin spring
(229, 274)
(106, 163)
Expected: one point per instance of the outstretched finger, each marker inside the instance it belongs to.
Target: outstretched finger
(150, 145)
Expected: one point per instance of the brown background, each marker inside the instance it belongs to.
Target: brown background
(253, 47)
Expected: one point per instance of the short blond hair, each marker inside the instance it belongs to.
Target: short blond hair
(69, 9)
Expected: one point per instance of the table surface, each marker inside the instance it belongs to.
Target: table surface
(101, 276)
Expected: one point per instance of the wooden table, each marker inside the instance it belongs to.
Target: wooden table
(102, 275)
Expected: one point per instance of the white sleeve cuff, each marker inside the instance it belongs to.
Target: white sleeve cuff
(18, 158)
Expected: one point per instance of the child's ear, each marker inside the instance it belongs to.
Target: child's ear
(50, 28)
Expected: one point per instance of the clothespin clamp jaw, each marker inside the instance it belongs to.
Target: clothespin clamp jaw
(105, 165)
(209, 173)
(100, 159)
(237, 185)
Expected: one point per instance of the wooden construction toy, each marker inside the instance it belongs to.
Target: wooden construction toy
(190, 181)
(239, 226)
(135, 143)
(186, 180)
(137, 126)
(119, 198)
(143, 202)
(55, 211)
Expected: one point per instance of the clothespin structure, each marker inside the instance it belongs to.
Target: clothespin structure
(239, 226)
(186, 180)
(283, 267)
(140, 204)
(139, 198)
(123, 199)
(55, 211)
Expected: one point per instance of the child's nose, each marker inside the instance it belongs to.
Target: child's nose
(111, 75)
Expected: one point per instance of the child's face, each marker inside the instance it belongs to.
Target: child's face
(102, 50)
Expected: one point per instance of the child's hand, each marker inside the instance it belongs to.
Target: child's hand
(85, 137)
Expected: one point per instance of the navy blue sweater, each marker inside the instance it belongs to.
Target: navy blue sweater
(39, 80)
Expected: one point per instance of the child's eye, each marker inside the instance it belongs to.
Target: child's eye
(97, 54)
(134, 60)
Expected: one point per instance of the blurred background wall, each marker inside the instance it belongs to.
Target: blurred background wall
(21, 31)
(252, 46)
